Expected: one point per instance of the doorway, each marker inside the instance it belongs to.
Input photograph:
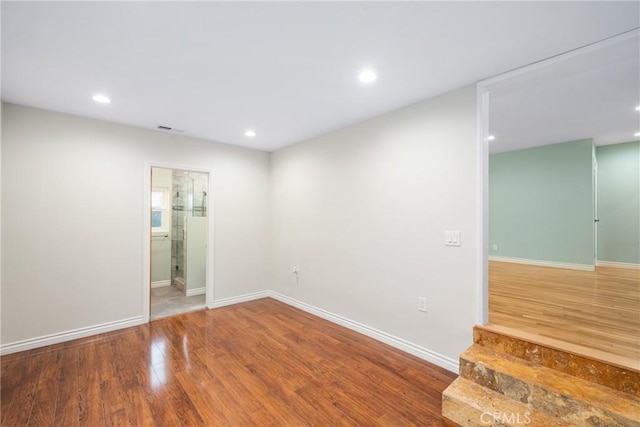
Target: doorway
(538, 253)
(178, 239)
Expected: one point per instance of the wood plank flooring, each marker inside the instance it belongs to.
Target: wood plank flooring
(599, 309)
(257, 363)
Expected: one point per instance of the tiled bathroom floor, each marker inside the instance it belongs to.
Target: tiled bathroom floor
(167, 301)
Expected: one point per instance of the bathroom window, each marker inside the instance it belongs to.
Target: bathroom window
(159, 209)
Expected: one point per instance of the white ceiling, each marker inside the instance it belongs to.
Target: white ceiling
(590, 93)
(286, 69)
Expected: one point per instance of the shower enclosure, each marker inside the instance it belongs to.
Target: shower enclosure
(188, 231)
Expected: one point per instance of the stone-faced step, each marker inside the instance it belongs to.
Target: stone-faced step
(617, 372)
(563, 396)
(468, 404)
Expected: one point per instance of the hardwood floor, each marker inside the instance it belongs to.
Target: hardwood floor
(257, 363)
(598, 310)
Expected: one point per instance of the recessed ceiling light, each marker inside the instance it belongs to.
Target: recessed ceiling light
(491, 137)
(249, 133)
(102, 99)
(367, 75)
(638, 108)
(636, 134)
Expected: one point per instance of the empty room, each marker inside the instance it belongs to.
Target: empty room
(320, 213)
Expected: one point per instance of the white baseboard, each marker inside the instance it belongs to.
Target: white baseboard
(542, 263)
(241, 298)
(161, 283)
(617, 264)
(178, 282)
(196, 291)
(399, 343)
(44, 340)
(57, 338)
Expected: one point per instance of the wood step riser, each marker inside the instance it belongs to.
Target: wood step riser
(564, 407)
(617, 378)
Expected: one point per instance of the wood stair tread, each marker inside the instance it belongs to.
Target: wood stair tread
(469, 404)
(595, 395)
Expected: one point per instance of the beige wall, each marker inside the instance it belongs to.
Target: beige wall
(363, 213)
(72, 217)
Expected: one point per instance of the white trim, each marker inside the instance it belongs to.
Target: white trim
(543, 263)
(562, 56)
(241, 298)
(146, 241)
(196, 291)
(146, 227)
(44, 340)
(399, 343)
(482, 202)
(594, 184)
(165, 210)
(161, 283)
(617, 264)
(59, 337)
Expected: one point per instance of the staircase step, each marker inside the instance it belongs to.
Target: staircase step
(468, 404)
(616, 372)
(571, 399)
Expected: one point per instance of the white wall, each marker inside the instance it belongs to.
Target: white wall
(1, 113)
(160, 245)
(363, 212)
(72, 218)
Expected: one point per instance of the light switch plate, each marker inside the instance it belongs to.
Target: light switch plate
(452, 238)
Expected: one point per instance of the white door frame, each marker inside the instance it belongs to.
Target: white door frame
(482, 199)
(594, 176)
(482, 149)
(146, 233)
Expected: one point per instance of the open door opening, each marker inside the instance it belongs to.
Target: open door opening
(179, 223)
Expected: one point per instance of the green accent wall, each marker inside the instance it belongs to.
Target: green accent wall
(619, 202)
(541, 203)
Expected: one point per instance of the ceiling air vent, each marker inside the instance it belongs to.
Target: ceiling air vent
(169, 129)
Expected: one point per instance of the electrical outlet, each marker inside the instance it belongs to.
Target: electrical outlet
(422, 304)
(494, 247)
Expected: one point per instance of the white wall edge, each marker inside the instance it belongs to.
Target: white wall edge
(541, 263)
(482, 205)
(161, 283)
(196, 291)
(562, 56)
(617, 264)
(241, 298)
(145, 287)
(57, 338)
(399, 343)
